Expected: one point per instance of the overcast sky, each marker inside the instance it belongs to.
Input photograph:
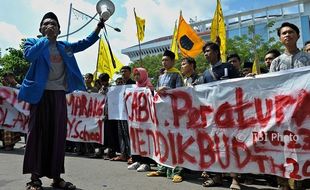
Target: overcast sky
(20, 19)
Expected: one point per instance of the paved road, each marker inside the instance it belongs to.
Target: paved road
(97, 174)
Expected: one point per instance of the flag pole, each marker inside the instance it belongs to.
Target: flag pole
(218, 39)
(140, 54)
(96, 72)
(69, 22)
(218, 20)
(174, 43)
(141, 64)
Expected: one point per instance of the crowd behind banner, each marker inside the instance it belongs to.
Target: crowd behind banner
(226, 120)
(242, 125)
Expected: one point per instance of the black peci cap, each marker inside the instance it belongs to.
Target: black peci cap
(50, 15)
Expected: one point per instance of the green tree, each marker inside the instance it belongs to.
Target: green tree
(153, 65)
(247, 46)
(14, 62)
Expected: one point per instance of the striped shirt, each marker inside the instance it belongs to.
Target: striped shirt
(170, 80)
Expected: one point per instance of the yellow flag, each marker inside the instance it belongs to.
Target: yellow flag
(190, 44)
(140, 27)
(174, 46)
(104, 61)
(218, 30)
(256, 67)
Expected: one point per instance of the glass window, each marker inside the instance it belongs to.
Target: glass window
(244, 30)
(233, 32)
(261, 29)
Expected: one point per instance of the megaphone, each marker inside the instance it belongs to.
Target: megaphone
(105, 9)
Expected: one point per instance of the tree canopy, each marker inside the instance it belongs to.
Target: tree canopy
(14, 62)
(247, 46)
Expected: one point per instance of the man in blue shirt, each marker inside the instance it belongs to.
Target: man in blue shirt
(172, 77)
(53, 73)
(218, 70)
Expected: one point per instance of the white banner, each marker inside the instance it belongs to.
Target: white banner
(246, 125)
(13, 113)
(116, 105)
(85, 117)
(85, 114)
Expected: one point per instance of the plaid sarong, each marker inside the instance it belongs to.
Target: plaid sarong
(10, 138)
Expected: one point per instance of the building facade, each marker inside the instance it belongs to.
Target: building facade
(265, 21)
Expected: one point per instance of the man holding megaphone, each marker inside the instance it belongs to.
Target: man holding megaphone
(53, 73)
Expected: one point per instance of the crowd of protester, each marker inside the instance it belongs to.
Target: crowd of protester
(116, 145)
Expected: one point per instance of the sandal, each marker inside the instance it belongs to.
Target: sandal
(129, 161)
(214, 181)
(35, 184)
(235, 186)
(62, 184)
(205, 175)
(155, 174)
(109, 156)
(119, 158)
(281, 187)
(177, 179)
(283, 184)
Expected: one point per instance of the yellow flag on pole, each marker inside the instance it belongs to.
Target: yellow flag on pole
(190, 44)
(218, 30)
(256, 67)
(174, 44)
(140, 27)
(104, 61)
